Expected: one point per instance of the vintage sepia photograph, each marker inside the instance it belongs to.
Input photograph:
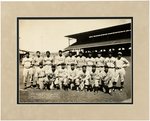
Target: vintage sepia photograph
(75, 60)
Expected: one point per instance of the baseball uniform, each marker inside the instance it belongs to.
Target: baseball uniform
(36, 63)
(59, 60)
(41, 77)
(27, 70)
(89, 63)
(84, 78)
(70, 60)
(100, 63)
(62, 77)
(120, 71)
(80, 62)
(110, 62)
(47, 61)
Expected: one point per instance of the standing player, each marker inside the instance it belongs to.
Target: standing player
(62, 76)
(27, 71)
(70, 60)
(100, 62)
(84, 77)
(59, 59)
(37, 60)
(95, 78)
(80, 61)
(72, 76)
(121, 63)
(48, 60)
(110, 62)
(89, 62)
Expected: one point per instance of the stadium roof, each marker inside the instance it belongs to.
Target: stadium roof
(101, 31)
(98, 44)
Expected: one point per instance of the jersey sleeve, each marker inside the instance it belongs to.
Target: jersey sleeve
(126, 62)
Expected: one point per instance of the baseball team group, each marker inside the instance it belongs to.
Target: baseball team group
(78, 73)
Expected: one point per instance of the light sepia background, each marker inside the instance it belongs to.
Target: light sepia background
(12, 110)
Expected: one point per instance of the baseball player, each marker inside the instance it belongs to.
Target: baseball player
(95, 78)
(47, 61)
(36, 61)
(51, 76)
(110, 62)
(84, 77)
(59, 59)
(62, 76)
(72, 76)
(99, 60)
(41, 76)
(89, 62)
(107, 79)
(121, 63)
(70, 60)
(81, 60)
(27, 70)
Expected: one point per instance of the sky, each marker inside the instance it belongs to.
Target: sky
(49, 34)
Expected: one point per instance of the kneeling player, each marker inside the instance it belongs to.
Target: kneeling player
(41, 76)
(95, 78)
(62, 77)
(84, 77)
(72, 76)
(51, 77)
(107, 79)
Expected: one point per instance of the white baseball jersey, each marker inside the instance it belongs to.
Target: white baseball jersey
(122, 62)
(37, 60)
(81, 61)
(62, 73)
(27, 62)
(95, 75)
(110, 61)
(53, 73)
(90, 61)
(70, 60)
(59, 59)
(48, 60)
(84, 75)
(72, 74)
(100, 61)
(107, 78)
(40, 72)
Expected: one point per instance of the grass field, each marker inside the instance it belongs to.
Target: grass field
(61, 96)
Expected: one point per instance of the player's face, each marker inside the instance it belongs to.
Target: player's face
(53, 69)
(27, 55)
(90, 55)
(41, 66)
(70, 54)
(72, 67)
(119, 56)
(110, 55)
(63, 66)
(106, 69)
(93, 69)
(38, 54)
(80, 54)
(84, 69)
(47, 54)
(99, 55)
(60, 53)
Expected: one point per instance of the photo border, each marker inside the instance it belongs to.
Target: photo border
(59, 18)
